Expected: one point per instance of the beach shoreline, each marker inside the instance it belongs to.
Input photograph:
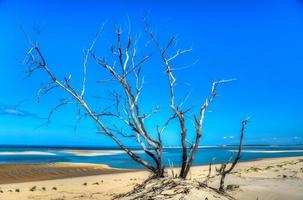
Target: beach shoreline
(25, 172)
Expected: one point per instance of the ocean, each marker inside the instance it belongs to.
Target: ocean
(118, 159)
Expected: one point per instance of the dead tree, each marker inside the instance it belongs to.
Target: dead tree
(188, 152)
(223, 171)
(126, 110)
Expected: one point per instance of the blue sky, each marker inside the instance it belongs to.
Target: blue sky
(258, 42)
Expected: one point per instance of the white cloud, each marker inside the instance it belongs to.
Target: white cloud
(13, 111)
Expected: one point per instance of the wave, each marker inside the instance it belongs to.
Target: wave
(9, 153)
(180, 147)
(269, 151)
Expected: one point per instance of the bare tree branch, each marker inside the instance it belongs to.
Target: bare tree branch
(45, 89)
(187, 158)
(172, 81)
(87, 52)
(53, 110)
(222, 170)
(199, 120)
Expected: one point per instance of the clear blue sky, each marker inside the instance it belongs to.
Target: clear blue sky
(258, 42)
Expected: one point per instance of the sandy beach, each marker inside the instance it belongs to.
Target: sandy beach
(272, 179)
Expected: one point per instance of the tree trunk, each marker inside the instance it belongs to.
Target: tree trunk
(183, 173)
(160, 171)
(221, 188)
(160, 167)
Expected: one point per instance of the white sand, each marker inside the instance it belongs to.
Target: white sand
(96, 152)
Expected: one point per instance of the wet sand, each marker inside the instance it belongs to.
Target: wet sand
(37, 172)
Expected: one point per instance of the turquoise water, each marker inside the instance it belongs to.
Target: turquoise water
(15, 155)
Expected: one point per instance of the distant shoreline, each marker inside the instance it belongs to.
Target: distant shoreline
(138, 148)
(88, 152)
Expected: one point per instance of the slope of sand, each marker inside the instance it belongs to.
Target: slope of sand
(272, 179)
